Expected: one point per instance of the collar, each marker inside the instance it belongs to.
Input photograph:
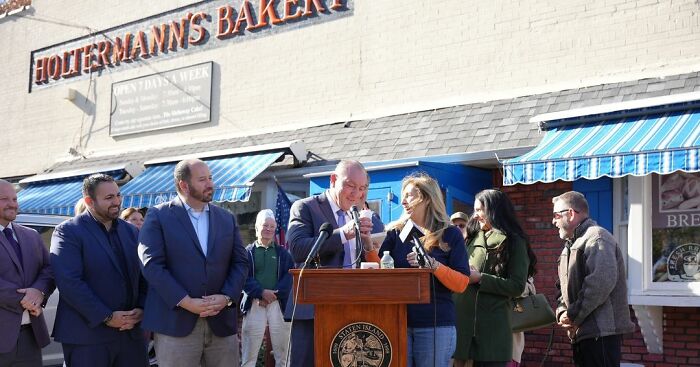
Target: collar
(9, 225)
(115, 222)
(257, 243)
(334, 206)
(189, 208)
(582, 227)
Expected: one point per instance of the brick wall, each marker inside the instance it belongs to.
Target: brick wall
(533, 204)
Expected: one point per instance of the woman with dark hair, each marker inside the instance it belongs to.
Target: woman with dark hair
(501, 261)
(431, 327)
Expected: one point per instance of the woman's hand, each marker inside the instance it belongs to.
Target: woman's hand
(430, 262)
(474, 275)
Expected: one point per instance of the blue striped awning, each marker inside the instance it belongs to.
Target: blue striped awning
(56, 197)
(232, 180)
(653, 143)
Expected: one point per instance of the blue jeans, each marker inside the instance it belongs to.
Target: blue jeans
(424, 351)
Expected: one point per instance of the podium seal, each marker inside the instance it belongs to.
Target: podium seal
(360, 344)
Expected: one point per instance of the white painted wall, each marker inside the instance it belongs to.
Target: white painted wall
(387, 58)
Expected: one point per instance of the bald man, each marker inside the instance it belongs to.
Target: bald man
(348, 186)
(25, 284)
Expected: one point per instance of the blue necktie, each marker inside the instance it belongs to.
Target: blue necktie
(347, 259)
(11, 239)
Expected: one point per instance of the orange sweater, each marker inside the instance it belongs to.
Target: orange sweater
(453, 280)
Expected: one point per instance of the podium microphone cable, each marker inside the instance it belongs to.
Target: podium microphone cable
(324, 232)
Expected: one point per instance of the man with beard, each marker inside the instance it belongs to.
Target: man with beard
(102, 293)
(593, 306)
(25, 284)
(195, 263)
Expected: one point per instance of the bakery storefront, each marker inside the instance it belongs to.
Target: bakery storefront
(646, 155)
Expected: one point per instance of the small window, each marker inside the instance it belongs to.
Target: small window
(676, 227)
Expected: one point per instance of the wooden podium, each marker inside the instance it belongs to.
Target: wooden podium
(360, 314)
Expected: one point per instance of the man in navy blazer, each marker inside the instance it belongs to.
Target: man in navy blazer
(25, 284)
(348, 185)
(95, 261)
(195, 263)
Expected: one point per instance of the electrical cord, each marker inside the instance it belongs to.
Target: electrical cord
(294, 311)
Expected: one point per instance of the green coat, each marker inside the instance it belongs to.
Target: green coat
(483, 310)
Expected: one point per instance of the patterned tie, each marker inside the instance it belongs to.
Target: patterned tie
(347, 259)
(11, 239)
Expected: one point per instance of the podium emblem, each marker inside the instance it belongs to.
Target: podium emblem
(360, 344)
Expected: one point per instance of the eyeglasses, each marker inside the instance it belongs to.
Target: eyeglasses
(560, 213)
(269, 226)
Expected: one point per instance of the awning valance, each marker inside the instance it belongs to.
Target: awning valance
(56, 196)
(653, 143)
(232, 180)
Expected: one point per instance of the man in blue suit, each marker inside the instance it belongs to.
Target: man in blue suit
(101, 289)
(195, 263)
(348, 187)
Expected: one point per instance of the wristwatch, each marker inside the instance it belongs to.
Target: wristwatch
(229, 301)
(107, 319)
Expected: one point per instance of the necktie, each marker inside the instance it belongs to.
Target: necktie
(347, 259)
(11, 239)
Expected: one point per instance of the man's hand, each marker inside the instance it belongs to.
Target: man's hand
(214, 304)
(125, 320)
(194, 305)
(32, 300)
(567, 325)
(130, 318)
(269, 295)
(365, 229)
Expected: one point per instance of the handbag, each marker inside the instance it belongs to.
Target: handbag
(530, 313)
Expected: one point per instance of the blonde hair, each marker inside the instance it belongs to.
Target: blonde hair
(80, 206)
(126, 213)
(436, 218)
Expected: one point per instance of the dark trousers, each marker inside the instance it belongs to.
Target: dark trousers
(598, 352)
(129, 350)
(302, 349)
(25, 354)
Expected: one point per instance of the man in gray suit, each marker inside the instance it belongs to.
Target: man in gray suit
(348, 186)
(25, 284)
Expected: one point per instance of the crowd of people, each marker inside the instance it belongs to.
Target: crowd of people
(182, 273)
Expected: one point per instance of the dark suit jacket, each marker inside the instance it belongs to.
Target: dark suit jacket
(305, 219)
(90, 280)
(34, 273)
(175, 266)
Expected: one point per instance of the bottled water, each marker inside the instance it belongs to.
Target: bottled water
(387, 261)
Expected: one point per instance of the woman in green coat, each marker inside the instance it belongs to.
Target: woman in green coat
(500, 258)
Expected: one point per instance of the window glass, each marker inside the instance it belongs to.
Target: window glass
(676, 227)
(245, 213)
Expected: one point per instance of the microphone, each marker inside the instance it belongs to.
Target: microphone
(323, 233)
(419, 250)
(355, 214)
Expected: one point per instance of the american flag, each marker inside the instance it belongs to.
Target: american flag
(282, 208)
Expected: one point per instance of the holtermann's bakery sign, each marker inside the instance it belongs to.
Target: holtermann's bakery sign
(192, 28)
